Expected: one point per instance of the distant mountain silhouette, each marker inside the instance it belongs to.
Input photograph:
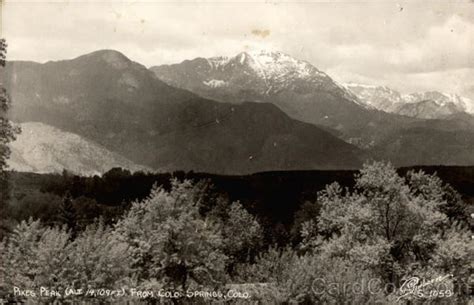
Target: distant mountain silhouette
(425, 105)
(121, 105)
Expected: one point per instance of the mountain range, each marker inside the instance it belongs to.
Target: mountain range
(361, 115)
(118, 104)
(310, 95)
(256, 111)
(296, 87)
(425, 105)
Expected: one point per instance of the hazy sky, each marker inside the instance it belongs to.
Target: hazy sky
(411, 46)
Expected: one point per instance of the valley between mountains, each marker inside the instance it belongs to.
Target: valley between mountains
(256, 111)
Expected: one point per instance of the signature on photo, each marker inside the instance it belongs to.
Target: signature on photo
(438, 287)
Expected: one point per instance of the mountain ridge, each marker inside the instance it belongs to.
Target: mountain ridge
(108, 99)
(425, 105)
(124, 107)
(301, 90)
(273, 71)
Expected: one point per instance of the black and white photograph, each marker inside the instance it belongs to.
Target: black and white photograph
(236, 152)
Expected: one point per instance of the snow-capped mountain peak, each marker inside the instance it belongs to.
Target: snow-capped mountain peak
(430, 104)
(442, 99)
(269, 65)
(252, 75)
(274, 64)
(270, 72)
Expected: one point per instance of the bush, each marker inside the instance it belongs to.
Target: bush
(389, 226)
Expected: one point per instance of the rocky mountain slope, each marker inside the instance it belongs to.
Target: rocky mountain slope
(41, 148)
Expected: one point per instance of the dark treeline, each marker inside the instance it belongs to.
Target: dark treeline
(274, 197)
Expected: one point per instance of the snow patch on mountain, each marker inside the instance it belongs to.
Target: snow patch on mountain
(277, 64)
(215, 83)
(271, 65)
(442, 99)
(260, 72)
(377, 97)
(414, 104)
(218, 62)
(469, 104)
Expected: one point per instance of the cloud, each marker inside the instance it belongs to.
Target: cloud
(413, 47)
(445, 47)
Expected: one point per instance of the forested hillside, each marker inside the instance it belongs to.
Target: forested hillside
(302, 231)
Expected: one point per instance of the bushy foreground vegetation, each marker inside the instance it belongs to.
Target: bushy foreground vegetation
(356, 246)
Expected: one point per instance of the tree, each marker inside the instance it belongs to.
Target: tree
(172, 246)
(242, 234)
(431, 187)
(33, 256)
(307, 212)
(390, 226)
(37, 256)
(97, 258)
(281, 276)
(7, 133)
(67, 214)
